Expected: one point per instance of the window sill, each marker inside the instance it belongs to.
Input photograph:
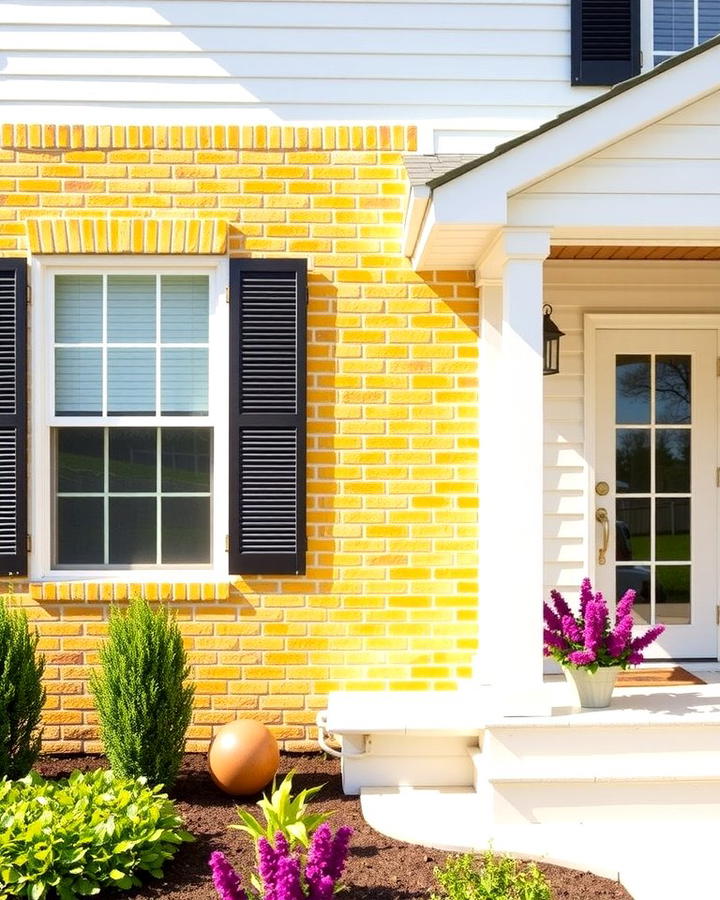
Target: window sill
(174, 588)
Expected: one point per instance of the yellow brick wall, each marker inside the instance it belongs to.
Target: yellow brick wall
(390, 596)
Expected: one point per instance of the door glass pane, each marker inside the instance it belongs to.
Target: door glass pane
(672, 460)
(672, 528)
(636, 578)
(133, 460)
(80, 460)
(132, 530)
(131, 382)
(131, 309)
(632, 529)
(672, 390)
(632, 390)
(672, 595)
(633, 460)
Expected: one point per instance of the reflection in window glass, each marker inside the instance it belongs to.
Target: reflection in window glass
(672, 595)
(636, 578)
(672, 390)
(632, 390)
(672, 461)
(672, 528)
(632, 529)
(632, 460)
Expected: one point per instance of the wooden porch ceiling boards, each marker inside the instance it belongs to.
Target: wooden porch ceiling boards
(627, 252)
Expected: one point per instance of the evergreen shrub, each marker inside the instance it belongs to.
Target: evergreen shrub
(21, 693)
(142, 694)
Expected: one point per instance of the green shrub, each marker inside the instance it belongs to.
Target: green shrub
(496, 878)
(73, 837)
(143, 701)
(21, 693)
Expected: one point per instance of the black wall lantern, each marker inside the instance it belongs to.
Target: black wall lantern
(551, 343)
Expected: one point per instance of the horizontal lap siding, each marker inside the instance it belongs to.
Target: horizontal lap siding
(575, 288)
(505, 65)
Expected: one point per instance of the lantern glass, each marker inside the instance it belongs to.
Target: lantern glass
(551, 343)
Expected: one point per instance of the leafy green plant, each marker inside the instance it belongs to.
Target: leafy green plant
(283, 813)
(495, 878)
(21, 693)
(71, 838)
(143, 699)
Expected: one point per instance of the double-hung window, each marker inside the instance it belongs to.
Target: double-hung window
(134, 428)
(679, 25)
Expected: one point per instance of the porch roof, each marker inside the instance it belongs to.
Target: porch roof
(454, 214)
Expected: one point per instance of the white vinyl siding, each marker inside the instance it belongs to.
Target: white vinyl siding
(499, 68)
(640, 181)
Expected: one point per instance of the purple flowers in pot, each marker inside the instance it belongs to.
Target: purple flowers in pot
(591, 639)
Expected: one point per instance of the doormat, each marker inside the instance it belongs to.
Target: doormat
(670, 677)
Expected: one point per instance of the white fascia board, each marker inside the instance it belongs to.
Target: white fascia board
(418, 201)
(423, 237)
(480, 195)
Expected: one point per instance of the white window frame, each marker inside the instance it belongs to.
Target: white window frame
(647, 42)
(43, 418)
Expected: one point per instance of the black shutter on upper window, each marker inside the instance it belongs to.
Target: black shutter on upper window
(13, 416)
(605, 41)
(267, 416)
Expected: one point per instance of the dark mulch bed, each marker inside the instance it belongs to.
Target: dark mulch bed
(378, 869)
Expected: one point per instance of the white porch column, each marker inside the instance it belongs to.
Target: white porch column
(511, 470)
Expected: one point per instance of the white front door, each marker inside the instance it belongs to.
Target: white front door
(656, 481)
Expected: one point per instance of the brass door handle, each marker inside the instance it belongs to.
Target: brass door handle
(602, 517)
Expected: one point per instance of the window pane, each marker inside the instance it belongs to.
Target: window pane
(185, 460)
(672, 390)
(672, 528)
(131, 309)
(131, 382)
(133, 529)
(632, 529)
(709, 24)
(672, 461)
(673, 24)
(186, 530)
(632, 390)
(80, 531)
(78, 381)
(184, 382)
(133, 460)
(184, 308)
(80, 460)
(632, 460)
(672, 595)
(78, 309)
(636, 578)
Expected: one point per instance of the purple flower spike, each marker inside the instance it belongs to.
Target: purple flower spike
(625, 605)
(586, 595)
(552, 619)
(571, 629)
(553, 640)
(288, 879)
(582, 657)
(267, 867)
(560, 605)
(225, 878)
(619, 640)
(640, 643)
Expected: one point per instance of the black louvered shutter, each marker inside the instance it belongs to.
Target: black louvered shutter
(13, 415)
(267, 416)
(605, 41)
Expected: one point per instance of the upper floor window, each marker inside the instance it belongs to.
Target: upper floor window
(679, 25)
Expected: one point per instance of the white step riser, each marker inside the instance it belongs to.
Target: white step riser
(408, 760)
(506, 745)
(611, 802)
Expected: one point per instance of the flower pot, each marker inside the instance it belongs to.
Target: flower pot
(594, 689)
